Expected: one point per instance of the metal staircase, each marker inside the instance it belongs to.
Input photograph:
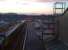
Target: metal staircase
(59, 8)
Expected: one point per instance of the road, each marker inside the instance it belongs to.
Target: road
(32, 41)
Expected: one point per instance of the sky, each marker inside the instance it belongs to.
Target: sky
(27, 6)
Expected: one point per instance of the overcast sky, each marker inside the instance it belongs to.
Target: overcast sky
(27, 6)
(45, 0)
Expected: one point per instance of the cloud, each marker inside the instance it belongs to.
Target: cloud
(50, 0)
(36, 0)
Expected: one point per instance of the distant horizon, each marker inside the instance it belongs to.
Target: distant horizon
(25, 13)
